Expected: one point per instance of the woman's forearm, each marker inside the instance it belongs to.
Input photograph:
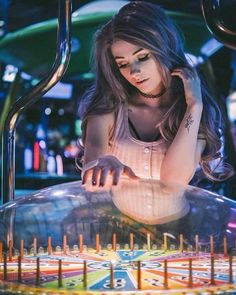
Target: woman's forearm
(181, 159)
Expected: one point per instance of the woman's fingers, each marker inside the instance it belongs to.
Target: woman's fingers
(96, 172)
(107, 171)
(191, 83)
(123, 170)
(86, 176)
(116, 176)
(185, 73)
(103, 176)
(129, 172)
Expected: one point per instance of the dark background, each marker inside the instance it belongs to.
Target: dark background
(20, 13)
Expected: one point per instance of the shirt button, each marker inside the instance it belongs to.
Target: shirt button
(146, 150)
(146, 167)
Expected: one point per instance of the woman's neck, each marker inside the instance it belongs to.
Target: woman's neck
(137, 99)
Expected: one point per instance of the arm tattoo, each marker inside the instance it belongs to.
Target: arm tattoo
(189, 122)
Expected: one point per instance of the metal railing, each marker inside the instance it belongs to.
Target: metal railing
(58, 69)
(211, 13)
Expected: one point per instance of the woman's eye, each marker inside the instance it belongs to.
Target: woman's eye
(143, 58)
(122, 66)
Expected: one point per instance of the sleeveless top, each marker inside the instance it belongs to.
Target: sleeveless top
(144, 158)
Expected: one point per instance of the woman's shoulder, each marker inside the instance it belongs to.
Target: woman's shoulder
(103, 120)
(107, 119)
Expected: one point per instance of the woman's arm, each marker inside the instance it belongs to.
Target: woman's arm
(98, 164)
(97, 136)
(184, 153)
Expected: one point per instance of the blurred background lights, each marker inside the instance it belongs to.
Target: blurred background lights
(48, 111)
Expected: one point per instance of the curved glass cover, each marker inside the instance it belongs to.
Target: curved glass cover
(137, 207)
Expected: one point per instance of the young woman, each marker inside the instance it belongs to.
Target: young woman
(148, 113)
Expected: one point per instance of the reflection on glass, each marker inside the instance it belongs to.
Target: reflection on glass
(139, 207)
(149, 201)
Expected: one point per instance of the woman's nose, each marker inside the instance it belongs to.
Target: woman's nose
(134, 69)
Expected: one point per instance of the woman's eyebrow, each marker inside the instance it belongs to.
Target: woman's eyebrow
(140, 49)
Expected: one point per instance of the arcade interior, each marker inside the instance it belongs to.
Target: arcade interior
(146, 238)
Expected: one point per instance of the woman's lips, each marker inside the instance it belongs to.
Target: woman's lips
(141, 82)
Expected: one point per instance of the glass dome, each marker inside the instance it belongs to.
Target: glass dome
(137, 207)
(138, 236)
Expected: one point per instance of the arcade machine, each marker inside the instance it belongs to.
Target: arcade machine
(140, 237)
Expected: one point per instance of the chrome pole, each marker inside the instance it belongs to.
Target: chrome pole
(211, 14)
(58, 69)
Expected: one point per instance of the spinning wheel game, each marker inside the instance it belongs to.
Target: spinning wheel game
(65, 240)
(159, 271)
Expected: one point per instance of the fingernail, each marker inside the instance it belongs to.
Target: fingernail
(94, 183)
(101, 184)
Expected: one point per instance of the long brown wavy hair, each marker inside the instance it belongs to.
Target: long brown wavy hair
(146, 25)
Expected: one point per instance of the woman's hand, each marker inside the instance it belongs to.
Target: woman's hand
(107, 166)
(192, 85)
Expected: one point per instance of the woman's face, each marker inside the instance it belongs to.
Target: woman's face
(138, 66)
